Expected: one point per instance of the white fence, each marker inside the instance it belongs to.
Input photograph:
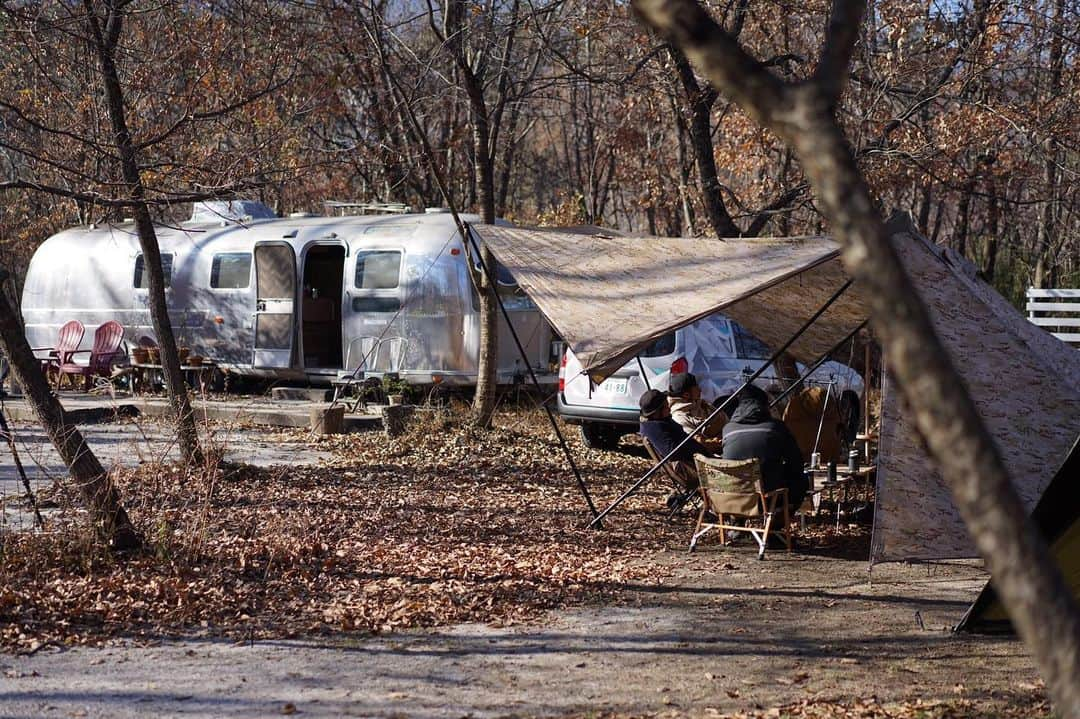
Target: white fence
(1056, 311)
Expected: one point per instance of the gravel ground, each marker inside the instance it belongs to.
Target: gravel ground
(723, 633)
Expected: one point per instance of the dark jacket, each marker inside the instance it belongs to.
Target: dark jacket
(752, 432)
(665, 434)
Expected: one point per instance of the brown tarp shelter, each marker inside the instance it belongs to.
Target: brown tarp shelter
(609, 297)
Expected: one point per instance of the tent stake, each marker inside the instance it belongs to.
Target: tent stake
(757, 373)
(536, 383)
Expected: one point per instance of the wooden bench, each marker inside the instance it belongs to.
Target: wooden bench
(1056, 311)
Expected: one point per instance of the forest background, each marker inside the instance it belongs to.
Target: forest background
(963, 113)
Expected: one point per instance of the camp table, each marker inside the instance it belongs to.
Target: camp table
(839, 489)
(143, 373)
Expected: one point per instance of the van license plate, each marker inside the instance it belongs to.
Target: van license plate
(613, 386)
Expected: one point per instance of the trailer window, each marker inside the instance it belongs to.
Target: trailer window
(376, 304)
(231, 271)
(142, 278)
(377, 269)
(513, 297)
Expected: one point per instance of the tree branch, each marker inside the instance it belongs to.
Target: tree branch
(840, 38)
(217, 112)
(718, 56)
(101, 200)
(780, 204)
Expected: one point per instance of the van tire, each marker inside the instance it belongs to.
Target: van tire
(600, 435)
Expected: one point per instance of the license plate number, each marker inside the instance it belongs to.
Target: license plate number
(613, 386)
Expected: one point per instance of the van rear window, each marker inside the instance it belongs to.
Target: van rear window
(747, 346)
(230, 270)
(142, 278)
(660, 347)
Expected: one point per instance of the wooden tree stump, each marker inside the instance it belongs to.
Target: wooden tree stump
(396, 418)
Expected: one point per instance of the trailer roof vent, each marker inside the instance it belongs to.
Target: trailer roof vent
(226, 211)
(436, 210)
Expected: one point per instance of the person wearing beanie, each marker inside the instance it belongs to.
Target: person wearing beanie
(689, 410)
(753, 432)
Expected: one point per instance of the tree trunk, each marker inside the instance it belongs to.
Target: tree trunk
(700, 101)
(993, 221)
(488, 360)
(963, 215)
(106, 40)
(1041, 605)
(1045, 256)
(102, 498)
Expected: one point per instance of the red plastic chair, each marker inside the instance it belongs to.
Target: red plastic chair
(67, 343)
(107, 340)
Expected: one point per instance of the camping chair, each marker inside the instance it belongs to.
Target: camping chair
(107, 340)
(683, 478)
(359, 359)
(733, 488)
(374, 357)
(390, 354)
(67, 343)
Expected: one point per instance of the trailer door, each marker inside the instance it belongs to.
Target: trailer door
(275, 298)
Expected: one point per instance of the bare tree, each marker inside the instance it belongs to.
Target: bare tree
(105, 24)
(101, 108)
(93, 482)
(803, 114)
(483, 43)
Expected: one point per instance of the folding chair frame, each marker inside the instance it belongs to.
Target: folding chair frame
(769, 505)
(678, 473)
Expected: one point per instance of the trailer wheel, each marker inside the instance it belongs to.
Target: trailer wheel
(600, 435)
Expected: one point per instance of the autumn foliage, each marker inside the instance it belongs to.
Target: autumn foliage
(961, 113)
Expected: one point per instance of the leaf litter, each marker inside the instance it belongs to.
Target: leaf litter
(445, 524)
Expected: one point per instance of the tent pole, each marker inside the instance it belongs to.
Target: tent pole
(536, 383)
(641, 368)
(813, 368)
(757, 373)
(866, 398)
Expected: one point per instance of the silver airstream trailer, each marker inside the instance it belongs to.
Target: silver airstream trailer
(291, 298)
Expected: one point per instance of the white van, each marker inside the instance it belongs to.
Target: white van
(717, 350)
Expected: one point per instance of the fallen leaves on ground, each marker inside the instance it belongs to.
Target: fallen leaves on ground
(444, 524)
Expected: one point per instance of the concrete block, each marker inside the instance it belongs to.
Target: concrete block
(329, 420)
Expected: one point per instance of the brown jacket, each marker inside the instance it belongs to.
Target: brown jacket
(689, 415)
(805, 412)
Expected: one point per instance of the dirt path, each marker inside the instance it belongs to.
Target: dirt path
(725, 632)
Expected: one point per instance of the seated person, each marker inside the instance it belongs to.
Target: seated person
(662, 432)
(813, 420)
(689, 410)
(753, 432)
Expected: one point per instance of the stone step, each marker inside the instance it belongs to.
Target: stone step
(301, 394)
